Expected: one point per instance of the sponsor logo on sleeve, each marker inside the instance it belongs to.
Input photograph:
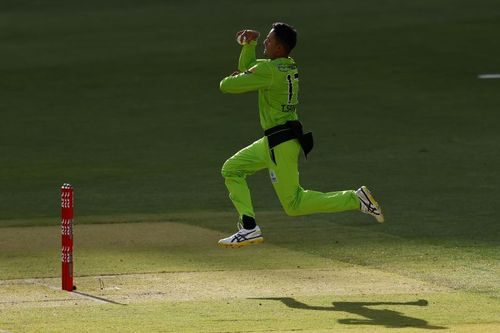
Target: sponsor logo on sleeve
(272, 175)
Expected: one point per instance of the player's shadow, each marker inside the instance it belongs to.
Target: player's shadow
(382, 317)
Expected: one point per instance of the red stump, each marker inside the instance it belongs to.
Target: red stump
(67, 237)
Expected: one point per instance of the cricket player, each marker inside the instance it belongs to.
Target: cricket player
(276, 79)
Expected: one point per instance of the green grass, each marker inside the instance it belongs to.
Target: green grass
(266, 316)
(102, 95)
(121, 99)
(133, 248)
(170, 277)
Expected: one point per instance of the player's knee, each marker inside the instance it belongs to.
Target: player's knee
(291, 212)
(226, 170)
(291, 209)
(290, 201)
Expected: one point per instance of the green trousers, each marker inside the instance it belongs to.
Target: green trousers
(284, 176)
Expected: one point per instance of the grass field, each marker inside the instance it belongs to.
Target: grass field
(121, 99)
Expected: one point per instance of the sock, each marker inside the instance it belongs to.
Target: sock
(248, 222)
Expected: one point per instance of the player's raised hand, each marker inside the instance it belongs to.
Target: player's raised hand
(246, 36)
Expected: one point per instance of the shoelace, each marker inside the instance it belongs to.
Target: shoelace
(239, 225)
(369, 206)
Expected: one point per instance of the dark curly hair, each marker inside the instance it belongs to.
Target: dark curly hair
(286, 35)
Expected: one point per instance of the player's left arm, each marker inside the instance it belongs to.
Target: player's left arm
(258, 77)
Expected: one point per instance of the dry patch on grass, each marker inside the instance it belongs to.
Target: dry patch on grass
(189, 267)
(210, 285)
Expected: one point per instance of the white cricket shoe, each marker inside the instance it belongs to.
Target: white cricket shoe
(243, 237)
(368, 205)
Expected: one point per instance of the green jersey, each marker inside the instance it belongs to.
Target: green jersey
(277, 82)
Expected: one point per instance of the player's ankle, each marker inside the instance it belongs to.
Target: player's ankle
(248, 222)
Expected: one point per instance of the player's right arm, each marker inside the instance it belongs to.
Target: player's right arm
(247, 56)
(248, 39)
(258, 77)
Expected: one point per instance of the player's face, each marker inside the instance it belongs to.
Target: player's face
(271, 45)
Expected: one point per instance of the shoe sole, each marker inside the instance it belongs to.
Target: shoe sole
(241, 244)
(379, 218)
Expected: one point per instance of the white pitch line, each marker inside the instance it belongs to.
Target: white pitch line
(4, 331)
(38, 283)
(97, 299)
(488, 76)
